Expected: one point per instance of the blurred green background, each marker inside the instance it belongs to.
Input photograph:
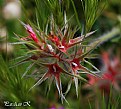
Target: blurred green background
(13, 88)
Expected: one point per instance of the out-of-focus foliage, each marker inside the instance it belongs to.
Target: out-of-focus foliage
(84, 15)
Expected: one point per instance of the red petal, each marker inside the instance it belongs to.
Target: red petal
(31, 32)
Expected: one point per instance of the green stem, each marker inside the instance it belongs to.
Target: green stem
(76, 14)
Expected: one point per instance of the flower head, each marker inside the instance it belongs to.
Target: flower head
(112, 67)
(111, 71)
(57, 53)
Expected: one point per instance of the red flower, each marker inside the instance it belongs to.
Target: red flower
(102, 84)
(111, 67)
(31, 33)
(111, 74)
(51, 48)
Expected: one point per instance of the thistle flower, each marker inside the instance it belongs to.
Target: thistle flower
(111, 74)
(57, 52)
(113, 69)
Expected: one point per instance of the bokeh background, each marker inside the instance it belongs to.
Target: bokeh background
(15, 89)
